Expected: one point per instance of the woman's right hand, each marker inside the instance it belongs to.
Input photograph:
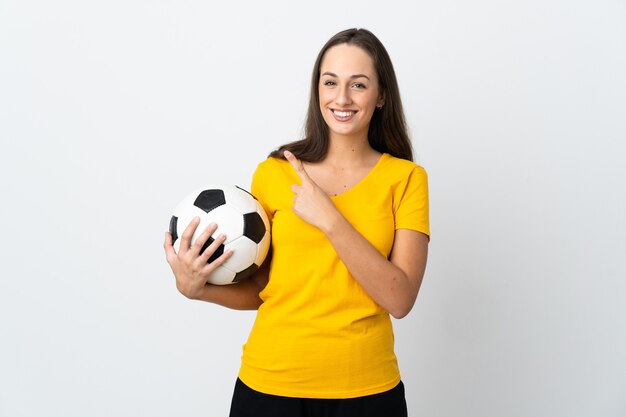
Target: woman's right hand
(190, 267)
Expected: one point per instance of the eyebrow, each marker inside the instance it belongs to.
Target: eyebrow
(351, 77)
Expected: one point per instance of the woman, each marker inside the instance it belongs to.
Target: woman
(350, 232)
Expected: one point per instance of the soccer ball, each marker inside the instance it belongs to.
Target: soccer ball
(239, 216)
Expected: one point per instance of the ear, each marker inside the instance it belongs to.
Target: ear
(381, 101)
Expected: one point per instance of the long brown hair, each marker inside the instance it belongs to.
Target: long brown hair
(387, 130)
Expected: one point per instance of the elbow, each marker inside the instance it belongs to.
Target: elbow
(401, 311)
(399, 314)
(401, 305)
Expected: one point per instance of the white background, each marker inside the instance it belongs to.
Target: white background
(110, 112)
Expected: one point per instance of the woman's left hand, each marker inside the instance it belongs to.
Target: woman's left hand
(310, 202)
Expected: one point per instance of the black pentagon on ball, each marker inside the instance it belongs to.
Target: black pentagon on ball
(207, 200)
(253, 227)
(173, 231)
(246, 273)
(218, 252)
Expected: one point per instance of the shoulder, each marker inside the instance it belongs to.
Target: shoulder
(271, 166)
(273, 163)
(274, 171)
(401, 169)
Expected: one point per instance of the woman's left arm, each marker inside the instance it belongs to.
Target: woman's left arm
(393, 283)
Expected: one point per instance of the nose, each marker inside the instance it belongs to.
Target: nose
(343, 96)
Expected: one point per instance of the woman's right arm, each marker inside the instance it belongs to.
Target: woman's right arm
(191, 270)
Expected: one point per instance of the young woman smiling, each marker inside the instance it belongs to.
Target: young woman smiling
(350, 233)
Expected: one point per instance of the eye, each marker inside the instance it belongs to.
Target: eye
(359, 85)
(329, 83)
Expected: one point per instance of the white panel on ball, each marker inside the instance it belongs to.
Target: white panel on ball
(222, 276)
(229, 221)
(262, 249)
(244, 253)
(240, 199)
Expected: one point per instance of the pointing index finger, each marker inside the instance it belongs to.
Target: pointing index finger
(297, 165)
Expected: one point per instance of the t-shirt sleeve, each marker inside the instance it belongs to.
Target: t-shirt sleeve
(261, 182)
(412, 202)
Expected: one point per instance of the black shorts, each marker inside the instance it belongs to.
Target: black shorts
(250, 403)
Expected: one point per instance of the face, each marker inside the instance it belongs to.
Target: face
(348, 90)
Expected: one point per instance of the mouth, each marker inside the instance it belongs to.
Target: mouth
(343, 115)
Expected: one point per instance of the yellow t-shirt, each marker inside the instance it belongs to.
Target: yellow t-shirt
(317, 333)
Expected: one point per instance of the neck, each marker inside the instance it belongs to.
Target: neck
(346, 151)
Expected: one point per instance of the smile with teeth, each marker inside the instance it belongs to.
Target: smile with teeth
(343, 115)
